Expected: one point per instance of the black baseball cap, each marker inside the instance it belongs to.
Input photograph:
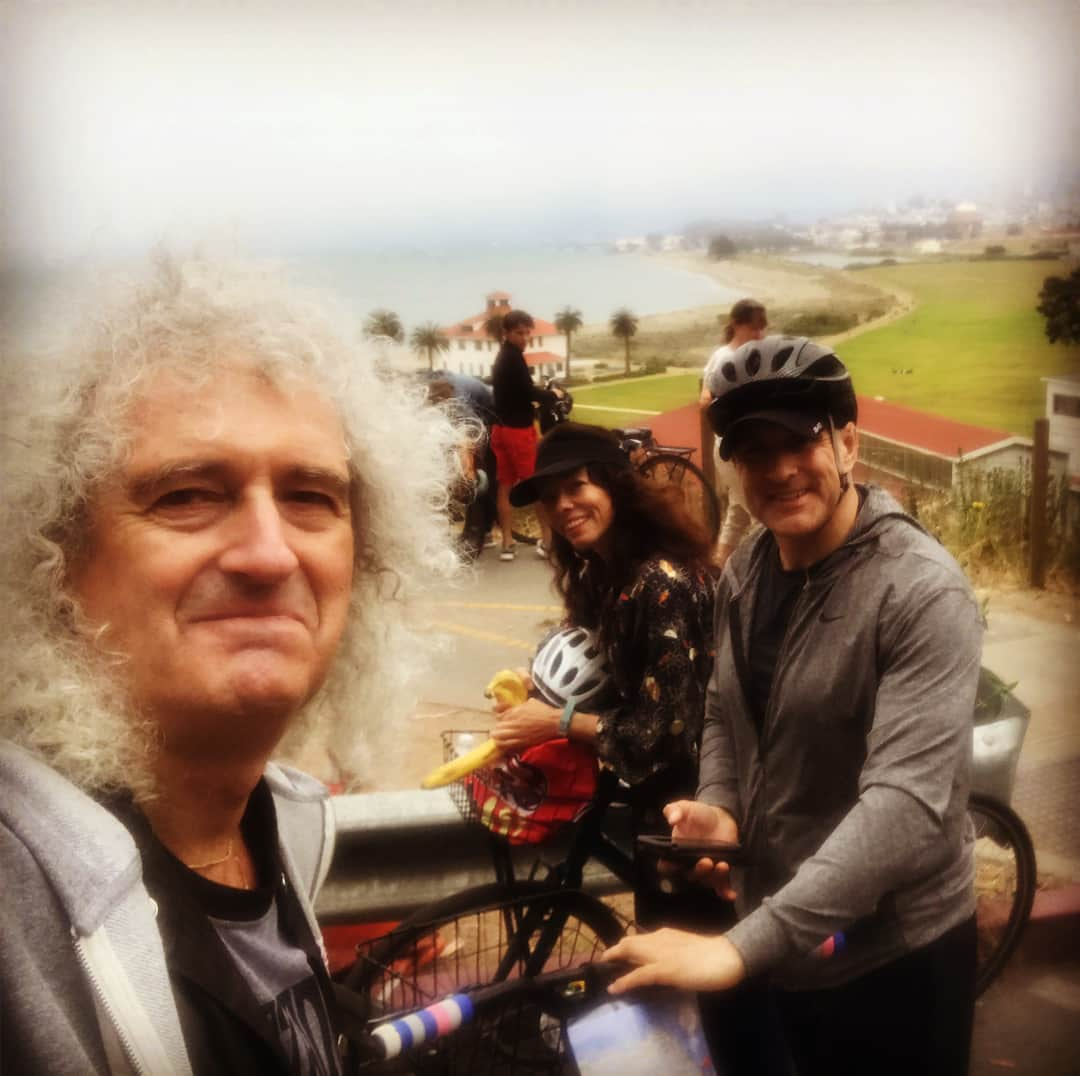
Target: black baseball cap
(566, 448)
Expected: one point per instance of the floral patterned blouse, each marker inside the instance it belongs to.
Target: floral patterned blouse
(661, 660)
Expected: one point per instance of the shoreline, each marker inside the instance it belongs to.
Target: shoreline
(779, 284)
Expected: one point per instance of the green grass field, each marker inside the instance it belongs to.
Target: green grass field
(661, 393)
(975, 343)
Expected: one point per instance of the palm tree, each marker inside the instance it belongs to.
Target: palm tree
(568, 321)
(493, 326)
(623, 325)
(384, 323)
(428, 338)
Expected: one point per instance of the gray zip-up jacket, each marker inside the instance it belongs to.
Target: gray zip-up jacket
(852, 805)
(83, 984)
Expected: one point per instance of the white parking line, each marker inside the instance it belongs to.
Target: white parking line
(487, 636)
(1057, 991)
(624, 410)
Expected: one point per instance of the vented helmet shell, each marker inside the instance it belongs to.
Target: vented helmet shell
(569, 666)
(780, 373)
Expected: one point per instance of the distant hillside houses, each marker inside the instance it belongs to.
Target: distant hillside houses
(473, 350)
(872, 230)
(640, 244)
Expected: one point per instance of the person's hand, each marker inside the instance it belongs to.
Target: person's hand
(677, 958)
(526, 678)
(693, 820)
(524, 726)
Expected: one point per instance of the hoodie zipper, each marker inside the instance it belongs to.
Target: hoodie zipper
(103, 996)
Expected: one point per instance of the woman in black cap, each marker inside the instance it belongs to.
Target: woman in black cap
(632, 566)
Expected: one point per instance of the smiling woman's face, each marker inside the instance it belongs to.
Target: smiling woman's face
(579, 510)
(220, 557)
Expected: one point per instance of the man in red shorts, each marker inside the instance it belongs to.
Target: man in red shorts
(513, 435)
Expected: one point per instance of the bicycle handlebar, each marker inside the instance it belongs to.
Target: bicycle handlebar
(554, 991)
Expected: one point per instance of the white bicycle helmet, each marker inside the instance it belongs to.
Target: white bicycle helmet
(570, 667)
(779, 374)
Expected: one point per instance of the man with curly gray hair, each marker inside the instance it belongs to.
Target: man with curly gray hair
(203, 565)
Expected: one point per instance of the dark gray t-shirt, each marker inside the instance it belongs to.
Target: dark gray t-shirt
(247, 972)
(280, 977)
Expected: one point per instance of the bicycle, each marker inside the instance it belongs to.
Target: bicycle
(670, 465)
(495, 933)
(1006, 871)
(1005, 882)
(525, 927)
(479, 1030)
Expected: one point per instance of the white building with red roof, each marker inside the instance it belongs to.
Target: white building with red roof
(899, 445)
(473, 350)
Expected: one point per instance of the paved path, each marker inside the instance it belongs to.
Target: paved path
(1040, 651)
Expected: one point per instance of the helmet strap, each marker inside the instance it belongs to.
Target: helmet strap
(845, 478)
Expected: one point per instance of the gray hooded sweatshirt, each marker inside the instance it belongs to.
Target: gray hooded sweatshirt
(852, 802)
(83, 984)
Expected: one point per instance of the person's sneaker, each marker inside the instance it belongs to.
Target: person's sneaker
(541, 550)
(506, 554)
(490, 542)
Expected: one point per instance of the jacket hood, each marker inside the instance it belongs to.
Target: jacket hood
(89, 857)
(877, 510)
(88, 854)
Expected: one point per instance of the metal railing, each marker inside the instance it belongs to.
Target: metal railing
(397, 851)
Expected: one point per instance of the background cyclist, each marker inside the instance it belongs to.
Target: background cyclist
(513, 434)
(837, 743)
(747, 321)
(632, 566)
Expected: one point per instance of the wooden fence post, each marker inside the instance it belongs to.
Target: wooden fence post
(1040, 488)
(708, 464)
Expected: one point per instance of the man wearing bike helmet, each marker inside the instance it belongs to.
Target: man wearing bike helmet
(837, 743)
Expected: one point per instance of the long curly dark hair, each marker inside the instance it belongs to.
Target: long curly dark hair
(649, 520)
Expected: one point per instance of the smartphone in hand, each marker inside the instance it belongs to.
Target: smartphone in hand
(688, 849)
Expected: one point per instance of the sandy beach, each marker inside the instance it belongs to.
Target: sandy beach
(782, 285)
(786, 288)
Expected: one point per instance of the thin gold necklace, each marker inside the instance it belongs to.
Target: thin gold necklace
(212, 862)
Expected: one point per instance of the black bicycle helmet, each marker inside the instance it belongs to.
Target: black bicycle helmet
(785, 379)
(570, 667)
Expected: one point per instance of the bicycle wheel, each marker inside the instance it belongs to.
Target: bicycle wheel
(483, 935)
(698, 496)
(1005, 878)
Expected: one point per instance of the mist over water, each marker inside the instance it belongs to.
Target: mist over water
(449, 285)
(446, 285)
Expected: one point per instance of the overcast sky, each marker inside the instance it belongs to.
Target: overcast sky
(443, 122)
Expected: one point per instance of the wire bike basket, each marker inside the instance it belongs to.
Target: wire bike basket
(528, 797)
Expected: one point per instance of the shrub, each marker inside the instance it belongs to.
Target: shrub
(985, 523)
(820, 323)
(720, 247)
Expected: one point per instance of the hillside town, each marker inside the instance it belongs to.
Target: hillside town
(922, 225)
